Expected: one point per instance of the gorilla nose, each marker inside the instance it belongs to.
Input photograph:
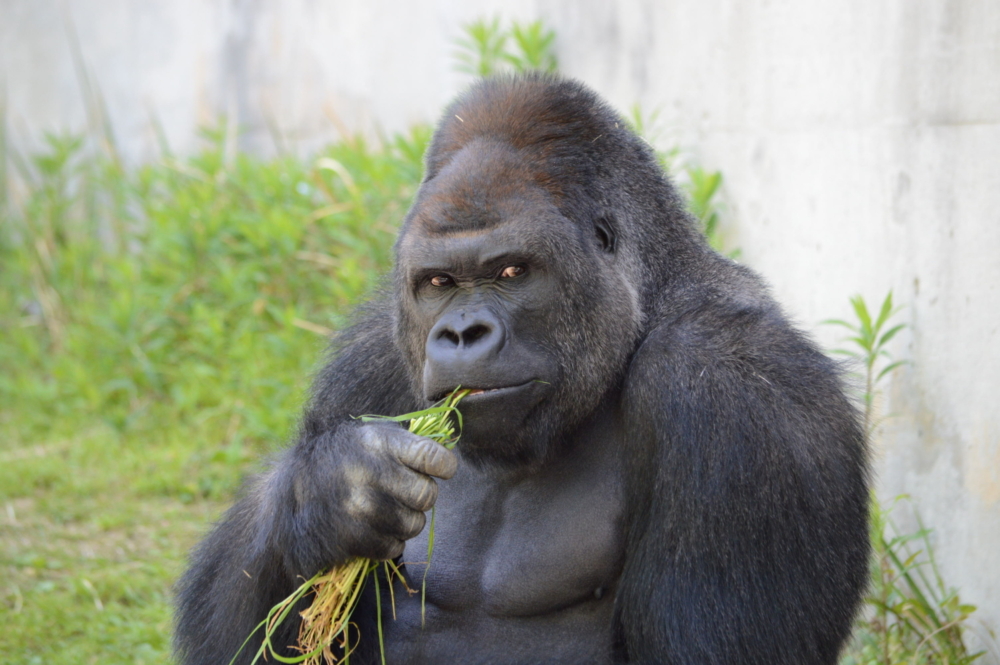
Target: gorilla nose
(464, 340)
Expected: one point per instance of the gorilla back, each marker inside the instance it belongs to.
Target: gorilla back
(655, 468)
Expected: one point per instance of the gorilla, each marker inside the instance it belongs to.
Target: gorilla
(655, 467)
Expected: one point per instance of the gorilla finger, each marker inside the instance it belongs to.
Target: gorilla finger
(414, 490)
(395, 520)
(412, 522)
(395, 549)
(382, 549)
(426, 456)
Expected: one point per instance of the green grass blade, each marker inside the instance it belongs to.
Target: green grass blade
(861, 311)
(885, 312)
(889, 335)
(378, 615)
(888, 368)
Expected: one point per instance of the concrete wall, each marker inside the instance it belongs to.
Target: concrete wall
(859, 140)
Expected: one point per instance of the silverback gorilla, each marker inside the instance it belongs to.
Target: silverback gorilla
(656, 467)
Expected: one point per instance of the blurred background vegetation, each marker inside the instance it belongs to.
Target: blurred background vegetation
(159, 328)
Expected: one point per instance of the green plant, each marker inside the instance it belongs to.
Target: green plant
(483, 50)
(869, 336)
(701, 187)
(534, 48)
(157, 328)
(913, 617)
(202, 267)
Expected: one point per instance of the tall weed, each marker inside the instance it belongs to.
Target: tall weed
(911, 615)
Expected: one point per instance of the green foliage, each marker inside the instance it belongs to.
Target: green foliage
(869, 336)
(913, 617)
(535, 47)
(201, 289)
(701, 187)
(483, 50)
(157, 329)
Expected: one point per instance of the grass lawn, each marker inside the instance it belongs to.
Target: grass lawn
(90, 545)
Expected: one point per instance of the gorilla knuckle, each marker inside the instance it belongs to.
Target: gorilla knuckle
(394, 549)
(425, 495)
(374, 438)
(445, 463)
(411, 523)
(360, 503)
(427, 456)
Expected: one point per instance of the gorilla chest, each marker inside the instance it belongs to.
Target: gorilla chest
(548, 544)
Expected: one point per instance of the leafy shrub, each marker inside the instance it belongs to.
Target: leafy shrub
(190, 290)
(483, 50)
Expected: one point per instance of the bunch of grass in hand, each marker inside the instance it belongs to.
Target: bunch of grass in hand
(337, 590)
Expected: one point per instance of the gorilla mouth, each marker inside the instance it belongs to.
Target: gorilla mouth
(480, 393)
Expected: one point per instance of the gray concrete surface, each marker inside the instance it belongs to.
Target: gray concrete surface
(859, 141)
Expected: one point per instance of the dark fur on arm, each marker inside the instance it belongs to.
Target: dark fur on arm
(750, 546)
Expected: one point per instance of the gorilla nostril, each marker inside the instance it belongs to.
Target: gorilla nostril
(450, 335)
(474, 333)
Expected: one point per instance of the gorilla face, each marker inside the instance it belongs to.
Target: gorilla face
(503, 294)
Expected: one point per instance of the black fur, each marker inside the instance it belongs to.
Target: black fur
(735, 473)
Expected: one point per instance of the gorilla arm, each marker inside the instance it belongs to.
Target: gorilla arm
(752, 545)
(304, 514)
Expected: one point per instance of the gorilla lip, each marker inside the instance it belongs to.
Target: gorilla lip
(500, 390)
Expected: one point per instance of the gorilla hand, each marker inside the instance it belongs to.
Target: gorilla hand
(363, 493)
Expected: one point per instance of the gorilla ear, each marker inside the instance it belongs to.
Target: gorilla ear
(604, 229)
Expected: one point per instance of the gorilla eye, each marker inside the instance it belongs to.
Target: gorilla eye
(512, 271)
(441, 280)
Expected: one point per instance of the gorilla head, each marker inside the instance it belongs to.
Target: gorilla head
(517, 274)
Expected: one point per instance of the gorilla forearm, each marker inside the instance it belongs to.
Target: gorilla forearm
(753, 548)
(236, 575)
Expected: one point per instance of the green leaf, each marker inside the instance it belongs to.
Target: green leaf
(535, 46)
(861, 311)
(888, 368)
(885, 312)
(483, 48)
(862, 341)
(890, 334)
